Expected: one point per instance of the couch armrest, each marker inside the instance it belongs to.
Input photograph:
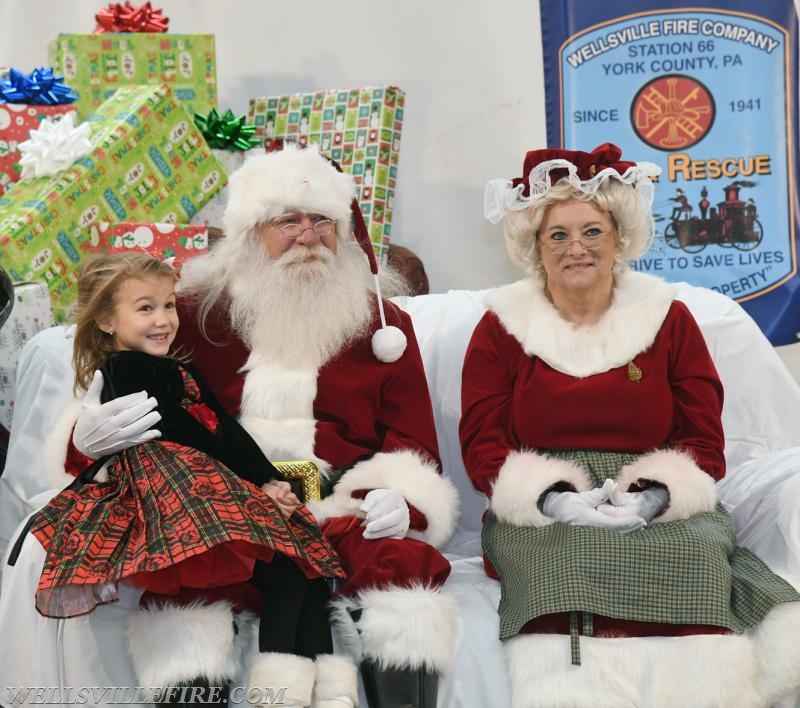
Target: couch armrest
(761, 496)
(306, 473)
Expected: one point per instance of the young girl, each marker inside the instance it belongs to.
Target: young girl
(198, 508)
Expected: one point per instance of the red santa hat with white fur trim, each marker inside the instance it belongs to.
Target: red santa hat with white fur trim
(290, 177)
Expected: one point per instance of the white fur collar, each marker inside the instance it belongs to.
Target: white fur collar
(630, 325)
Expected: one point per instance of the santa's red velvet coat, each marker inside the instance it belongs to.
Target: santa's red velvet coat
(371, 419)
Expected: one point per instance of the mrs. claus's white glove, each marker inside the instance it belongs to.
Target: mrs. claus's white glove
(580, 509)
(646, 503)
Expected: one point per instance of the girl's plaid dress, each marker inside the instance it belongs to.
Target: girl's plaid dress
(183, 511)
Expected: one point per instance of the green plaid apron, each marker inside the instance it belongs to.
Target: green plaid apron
(679, 572)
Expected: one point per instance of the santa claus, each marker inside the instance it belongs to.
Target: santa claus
(284, 320)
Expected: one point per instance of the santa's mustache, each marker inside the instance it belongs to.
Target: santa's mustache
(300, 254)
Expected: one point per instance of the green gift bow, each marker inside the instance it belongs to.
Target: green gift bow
(226, 131)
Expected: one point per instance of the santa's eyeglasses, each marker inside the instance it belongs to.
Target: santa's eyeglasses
(291, 225)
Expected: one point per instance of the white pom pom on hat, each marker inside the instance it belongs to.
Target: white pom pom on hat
(388, 343)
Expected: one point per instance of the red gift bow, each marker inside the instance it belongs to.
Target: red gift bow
(128, 18)
(588, 164)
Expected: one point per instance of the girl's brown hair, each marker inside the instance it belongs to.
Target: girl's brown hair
(99, 281)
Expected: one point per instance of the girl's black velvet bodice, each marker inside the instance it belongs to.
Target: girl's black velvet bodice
(166, 380)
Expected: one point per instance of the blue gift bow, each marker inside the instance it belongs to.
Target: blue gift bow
(42, 86)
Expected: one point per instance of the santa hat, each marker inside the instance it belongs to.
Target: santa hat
(290, 177)
(585, 171)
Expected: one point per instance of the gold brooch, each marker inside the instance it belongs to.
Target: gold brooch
(634, 372)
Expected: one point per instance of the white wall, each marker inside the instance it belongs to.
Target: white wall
(472, 71)
(790, 354)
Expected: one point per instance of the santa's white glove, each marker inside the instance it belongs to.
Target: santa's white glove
(387, 514)
(105, 428)
(646, 503)
(581, 509)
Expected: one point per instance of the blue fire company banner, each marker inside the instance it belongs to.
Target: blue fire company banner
(710, 94)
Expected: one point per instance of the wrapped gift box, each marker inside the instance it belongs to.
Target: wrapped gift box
(164, 241)
(96, 65)
(359, 128)
(16, 122)
(148, 163)
(31, 314)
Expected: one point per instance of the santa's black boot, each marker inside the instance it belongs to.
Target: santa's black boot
(374, 626)
(399, 688)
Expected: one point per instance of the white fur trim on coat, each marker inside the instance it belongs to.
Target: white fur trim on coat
(417, 479)
(271, 671)
(285, 440)
(752, 670)
(405, 628)
(270, 184)
(628, 327)
(274, 391)
(691, 490)
(522, 480)
(278, 410)
(173, 644)
(337, 677)
(55, 447)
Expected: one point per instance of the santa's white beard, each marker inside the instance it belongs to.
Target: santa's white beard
(304, 307)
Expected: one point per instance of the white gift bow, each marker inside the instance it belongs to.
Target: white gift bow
(54, 146)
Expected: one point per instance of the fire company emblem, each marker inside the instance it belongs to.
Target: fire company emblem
(672, 112)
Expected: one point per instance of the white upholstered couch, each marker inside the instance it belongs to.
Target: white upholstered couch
(762, 490)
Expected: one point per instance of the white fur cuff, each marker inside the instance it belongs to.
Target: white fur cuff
(406, 628)
(757, 668)
(522, 480)
(337, 677)
(691, 490)
(417, 479)
(272, 671)
(171, 644)
(334, 505)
